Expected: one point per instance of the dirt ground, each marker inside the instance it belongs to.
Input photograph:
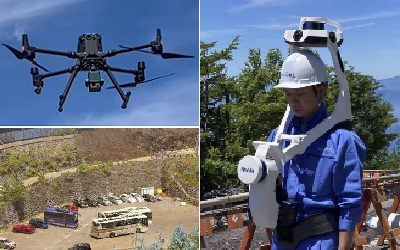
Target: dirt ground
(167, 215)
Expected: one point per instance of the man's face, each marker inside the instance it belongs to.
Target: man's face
(302, 101)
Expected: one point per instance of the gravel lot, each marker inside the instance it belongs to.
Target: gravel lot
(167, 215)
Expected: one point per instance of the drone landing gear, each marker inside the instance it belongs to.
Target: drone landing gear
(63, 97)
(126, 100)
(125, 97)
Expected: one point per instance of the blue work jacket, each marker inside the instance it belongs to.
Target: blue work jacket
(327, 175)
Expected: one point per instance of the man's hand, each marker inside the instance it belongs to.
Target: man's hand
(345, 239)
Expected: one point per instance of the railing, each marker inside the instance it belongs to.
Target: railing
(224, 213)
(28, 134)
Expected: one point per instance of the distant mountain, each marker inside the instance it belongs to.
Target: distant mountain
(391, 93)
(391, 83)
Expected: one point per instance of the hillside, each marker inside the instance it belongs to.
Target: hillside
(109, 144)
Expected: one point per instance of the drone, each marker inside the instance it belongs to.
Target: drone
(90, 57)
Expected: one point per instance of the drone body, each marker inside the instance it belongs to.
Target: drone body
(90, 57)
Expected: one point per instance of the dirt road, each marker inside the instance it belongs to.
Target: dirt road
(167, 215)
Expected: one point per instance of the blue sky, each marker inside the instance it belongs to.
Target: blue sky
(371, 29)
(57, 24)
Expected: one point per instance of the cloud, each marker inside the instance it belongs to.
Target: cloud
(258, 3)
(377, 15)
(19, 10)
(217, 33)
(387, 52)
(357, 26)
(179, 105)
(153, 114)
(19, 30)
(274, 26)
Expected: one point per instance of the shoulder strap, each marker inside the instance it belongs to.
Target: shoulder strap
(347, 124)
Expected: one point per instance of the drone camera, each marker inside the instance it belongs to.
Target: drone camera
(90, 44)
(94, 81)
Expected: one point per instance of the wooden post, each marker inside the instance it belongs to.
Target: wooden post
(202, 243)
(377, 198)
(247, 237)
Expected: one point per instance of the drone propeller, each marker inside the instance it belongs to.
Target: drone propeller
(133, 84)
(157, 49)
(24, 55)
(163, 55)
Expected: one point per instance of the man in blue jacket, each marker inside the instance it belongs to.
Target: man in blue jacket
(328, 175)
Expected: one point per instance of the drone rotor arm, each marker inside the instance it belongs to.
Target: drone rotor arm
(69, 54)
(59, 72)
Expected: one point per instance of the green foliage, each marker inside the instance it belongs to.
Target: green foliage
(179, 241)
(46, 162)
(60, 158)
(149, 170)
(67, 175)
(106, 167)
(13, 189)
(41, 178)
(123, 174)
(372, 115)
(57, 185)
(83, 167)
(34, 163)
(31, 173)
(78, 155)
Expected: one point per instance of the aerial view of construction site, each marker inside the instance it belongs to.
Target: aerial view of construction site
(106, 188)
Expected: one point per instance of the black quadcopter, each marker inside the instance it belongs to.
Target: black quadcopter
(90, 57)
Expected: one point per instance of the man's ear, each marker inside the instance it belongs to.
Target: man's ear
(322, 89)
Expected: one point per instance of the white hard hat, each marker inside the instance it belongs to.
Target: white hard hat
(302, 69)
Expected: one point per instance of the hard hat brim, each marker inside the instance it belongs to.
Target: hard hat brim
(295, 85)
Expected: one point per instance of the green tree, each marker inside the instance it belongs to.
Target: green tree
(13, 189)
(372, 116)
(215, 88)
